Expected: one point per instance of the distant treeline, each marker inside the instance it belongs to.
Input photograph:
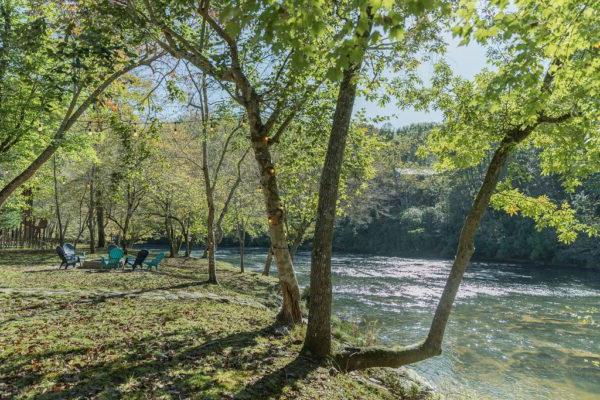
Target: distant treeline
(409, 210)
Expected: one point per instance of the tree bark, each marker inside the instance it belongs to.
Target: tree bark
(267, 268)
(91, 207)
(61, 237)
(242, 238)
(100, 220)
(290, 312)
(317, 342)
(188, 244)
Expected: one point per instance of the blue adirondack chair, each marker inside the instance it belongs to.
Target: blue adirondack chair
(155, 262)
(114, 258)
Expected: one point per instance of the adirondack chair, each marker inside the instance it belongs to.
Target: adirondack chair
(138, 260)
(111, 246)
(155, 262)
(70, 251)
(114, 258)
(66, 259)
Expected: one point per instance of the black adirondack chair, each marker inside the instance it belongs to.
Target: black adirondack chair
(70, 252)
(138, 260)
(67, 259)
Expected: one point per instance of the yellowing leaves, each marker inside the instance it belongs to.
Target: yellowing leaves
(544, 212)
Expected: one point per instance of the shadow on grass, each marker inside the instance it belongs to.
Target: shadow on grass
(93, 299)
(273, 384)
(37, 271)
(141, 363)
(27, 258)
(133, 293)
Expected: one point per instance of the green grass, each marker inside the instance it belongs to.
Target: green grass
(157, 335)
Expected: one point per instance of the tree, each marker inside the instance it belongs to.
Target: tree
(531, 100)
(359, 34)
(132, 175)
(85, 54)
(244, 37)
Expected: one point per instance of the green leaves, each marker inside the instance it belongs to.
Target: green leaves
(544, 213)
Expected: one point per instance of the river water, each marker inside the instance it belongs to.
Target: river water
(516, 332)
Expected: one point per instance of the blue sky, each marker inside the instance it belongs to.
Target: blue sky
(466, 61)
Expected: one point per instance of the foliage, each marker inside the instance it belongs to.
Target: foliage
(408, 210)
(544, 212)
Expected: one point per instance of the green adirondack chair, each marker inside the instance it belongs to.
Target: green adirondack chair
(155, 261)
(114, 258)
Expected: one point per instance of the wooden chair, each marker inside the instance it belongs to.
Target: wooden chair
(138, 260)
(155, 262)
(114, 258)
(70, 251)
(67, 259)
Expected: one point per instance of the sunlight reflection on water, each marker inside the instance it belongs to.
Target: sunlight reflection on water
(517, 332)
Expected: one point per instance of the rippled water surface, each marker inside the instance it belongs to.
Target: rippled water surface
(517, 332)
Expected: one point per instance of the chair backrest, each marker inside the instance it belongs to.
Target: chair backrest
(158, 258)
(141, 256)
(69, 249)
(61, 253)
(115, 253)
(111, 246)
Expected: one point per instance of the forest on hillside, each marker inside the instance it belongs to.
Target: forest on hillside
(409, 209)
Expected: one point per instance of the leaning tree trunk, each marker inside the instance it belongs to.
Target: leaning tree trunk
(248, 97)
(353, 359)
(28, 172)
(72, 115)
(318, 333)
(317, 342)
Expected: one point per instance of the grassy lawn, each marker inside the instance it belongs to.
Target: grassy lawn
(158, 335)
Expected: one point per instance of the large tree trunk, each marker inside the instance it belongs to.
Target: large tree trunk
(100, 220)
(318, 334)
(290, 312)
(251, 101)
(61, 232)
(353, 359)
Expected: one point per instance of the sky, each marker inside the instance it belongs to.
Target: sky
(466, 61)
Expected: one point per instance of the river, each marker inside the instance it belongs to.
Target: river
(516, 332)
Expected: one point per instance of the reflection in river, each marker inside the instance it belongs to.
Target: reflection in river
(517, 332)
